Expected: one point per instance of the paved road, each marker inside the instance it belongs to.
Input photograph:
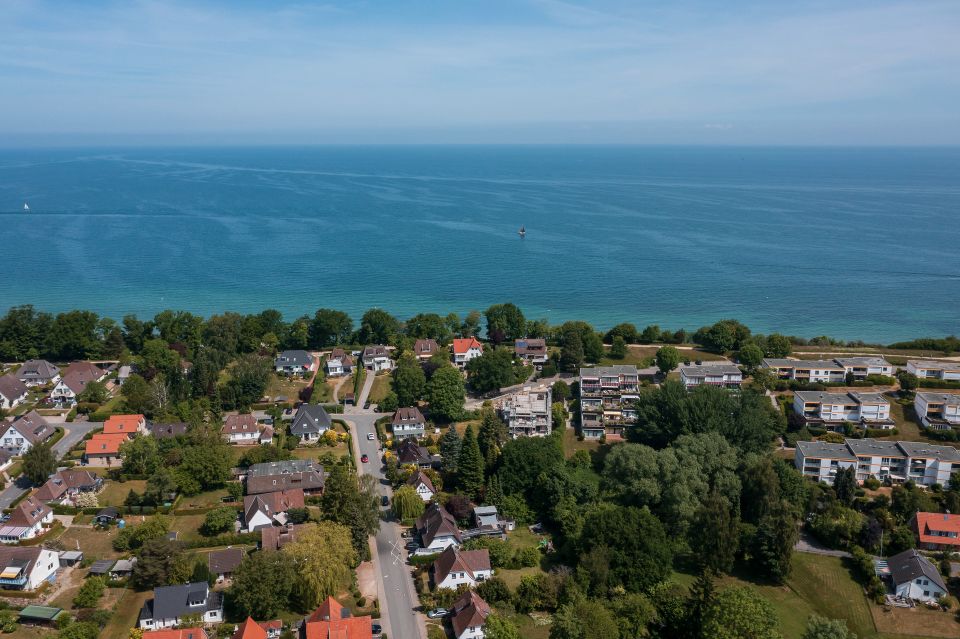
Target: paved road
(808, 544)
(75, 431)
(398, 599)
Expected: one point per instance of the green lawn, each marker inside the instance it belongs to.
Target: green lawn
(204, 500)
(115, 492)
(96, 544)
(289, 387)
(381, 386)
(125, 614)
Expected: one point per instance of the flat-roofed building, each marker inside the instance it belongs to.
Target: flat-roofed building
(528, 412)
(938, 411)
(607, 397)
(862, 367)
(933, 369)
(898, 462)
(832, 410)
(812, 371)
(725, 375)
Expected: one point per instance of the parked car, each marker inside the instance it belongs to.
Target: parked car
(384, 500)
(371, 436)
(437, 613)
(412, 545)
(366, 405)
(377, 629)
(364, 458)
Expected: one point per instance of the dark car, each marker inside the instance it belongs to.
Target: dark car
(376, 628)
(364, 458)
(412, 545)
(385, 500)
(366, 404)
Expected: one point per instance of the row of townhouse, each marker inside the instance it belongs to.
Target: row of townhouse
(829, 371)
(607, 397)
(833, 410)
(724, 375)
(938, 411)
(932, 369)
(920, 462)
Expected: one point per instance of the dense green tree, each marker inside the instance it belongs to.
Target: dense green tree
(491, 371)
(23, 331)
(470, 465)
(668, 358)
(329, 328)
(135, 332)
(523, 460)
(249, 377)
(738, 613)
(584, 619)
(750, 356)
(74, 335)
(493, 495)
(179, 326)
(94, 392)
(324, 557)
(845, 485)
(201, 571)
(262, 585)
(157, 563)
(725, 335)
(589, 340)
(80, 630)
(571, 353)
(407, 503)
(219, 520)
(140, 455)
(626, 331)
(505, 322)
(90, 592)
(137, 397)
(207, 464)
(774, 541)
(618, 349)
(471, 325)
(640, 554)
(494, 590)
(450, 445)
(297, 334)
(409, 381)
(777, 346)
(378, 327)
(39, 462)
(430, 325)
(446, 394)
(634, 612)
(135, 536)
(561, 391)
(491, 436)
(714, 535)
(908, 381)
(761, 488)
(354, 503)
(822, 628)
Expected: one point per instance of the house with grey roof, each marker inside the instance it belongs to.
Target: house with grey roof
(338, 363)
(833, 410)
(863, 367)
(938, 411)
(166, 430)
(724, 375)
(223, 563)
(295, 363)
(38, 372)
(934, 369)
(408, 422)
(306, 474)
(26, 431)
(310, 423)
(915, 577)
(170, 604)
(811, 371)
(13, 392)
(897, 462)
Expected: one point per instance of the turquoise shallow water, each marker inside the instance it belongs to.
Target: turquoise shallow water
(853, 243)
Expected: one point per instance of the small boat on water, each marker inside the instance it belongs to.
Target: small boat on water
(26, 207)
(522, 232)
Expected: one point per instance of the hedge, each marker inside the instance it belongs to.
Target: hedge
(226, 539)
(423, 560)
(937, 383)
(57, 435)
(333, 408)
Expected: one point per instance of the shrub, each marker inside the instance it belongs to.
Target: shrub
(90, 593)
(219, 520)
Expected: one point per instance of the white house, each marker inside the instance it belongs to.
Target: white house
(408, 422)
(376, 358)
(73, 382)
(454, 568)
(807, 370)
(469, 616)
(27, 567)
(932, 369)
(310, 423)
(861, 367)
(27, 521)
(37, 372)
(262, 510)
(13, 392)
(339, 363)
(171, 603)
(832, 410)
(295, 363)
(723, 375)
(241, 429)
(466, 349)
(915, 577)
(26, 431)
(437, 529)
(920, 462)
(939, 411)
(422, 484)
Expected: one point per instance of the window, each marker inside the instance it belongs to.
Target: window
(926, 593)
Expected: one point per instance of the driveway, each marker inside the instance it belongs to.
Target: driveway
(73, 433)
(398, 600)
(807, 544)
(13, 490)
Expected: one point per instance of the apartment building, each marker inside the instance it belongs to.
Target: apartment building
(931, 369)
(607, 396)
(824, 370)
(939, 411)
(861, 367)
(832, 410)
(528, 412)
(721, 374)
(920, 462)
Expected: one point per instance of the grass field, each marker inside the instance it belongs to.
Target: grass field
(97, 544)
(125, 614)
(204, 500)
(188, 526)
(115, 492)
(380, 388)
(289, 387)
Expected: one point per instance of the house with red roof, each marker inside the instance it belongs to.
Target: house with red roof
(469, 615)
(456, 567)
(251, 629)
(129, 425)
(936, 531)
(466, 349)
(103, 450)
(184, 633)
(333, 621)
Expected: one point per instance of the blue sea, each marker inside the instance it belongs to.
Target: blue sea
(852, 243)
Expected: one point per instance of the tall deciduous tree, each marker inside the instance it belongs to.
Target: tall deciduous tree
(329, 328)
(584, 619)
(446, 394)
(714, 535)
(409, 381)
(750, 356)
(491, 371)
(774, 541)
(378, 327)
(822, 628)
(845, 485)
(736, 613)
(323, 557)
(407, 503)
(262, 585)
(505, 322)
(668, 358)
(39, 462)
(140, 455)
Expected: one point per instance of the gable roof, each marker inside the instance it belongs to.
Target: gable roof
(170, 602)
(124, 424)
(61, 482)
(427, 346)
(341, 356)
(408, 415)
(332, 621)
(23, 557)
(436, 522)
(530, 345)
(87, 369)
(37, 370)
(910, 565)
(172, 429)
(461, 346)
(77, 380)
(240, 424)
(224, 561)
(410, 452)
(374, 350)
(453, 560)
(306, 474)
(276, 537)
(294, 358)
(185, 633)
(11, 387)
(927, 524)
(272, 503)
(34, 427)
(249, 629)
(28, 512)
(310, 418)
(101, 444)
(470, 610)
(421, 477)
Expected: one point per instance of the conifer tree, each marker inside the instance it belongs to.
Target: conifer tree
(470, 465)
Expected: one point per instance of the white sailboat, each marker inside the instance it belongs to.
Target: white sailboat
(522, 231)
(26, 207)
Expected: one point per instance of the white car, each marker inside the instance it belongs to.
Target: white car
(371, 436)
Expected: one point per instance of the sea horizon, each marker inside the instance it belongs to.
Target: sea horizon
(854, 242)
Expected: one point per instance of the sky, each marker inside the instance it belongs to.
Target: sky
(488, 71)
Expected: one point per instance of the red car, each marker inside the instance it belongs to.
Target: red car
(364, 458)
